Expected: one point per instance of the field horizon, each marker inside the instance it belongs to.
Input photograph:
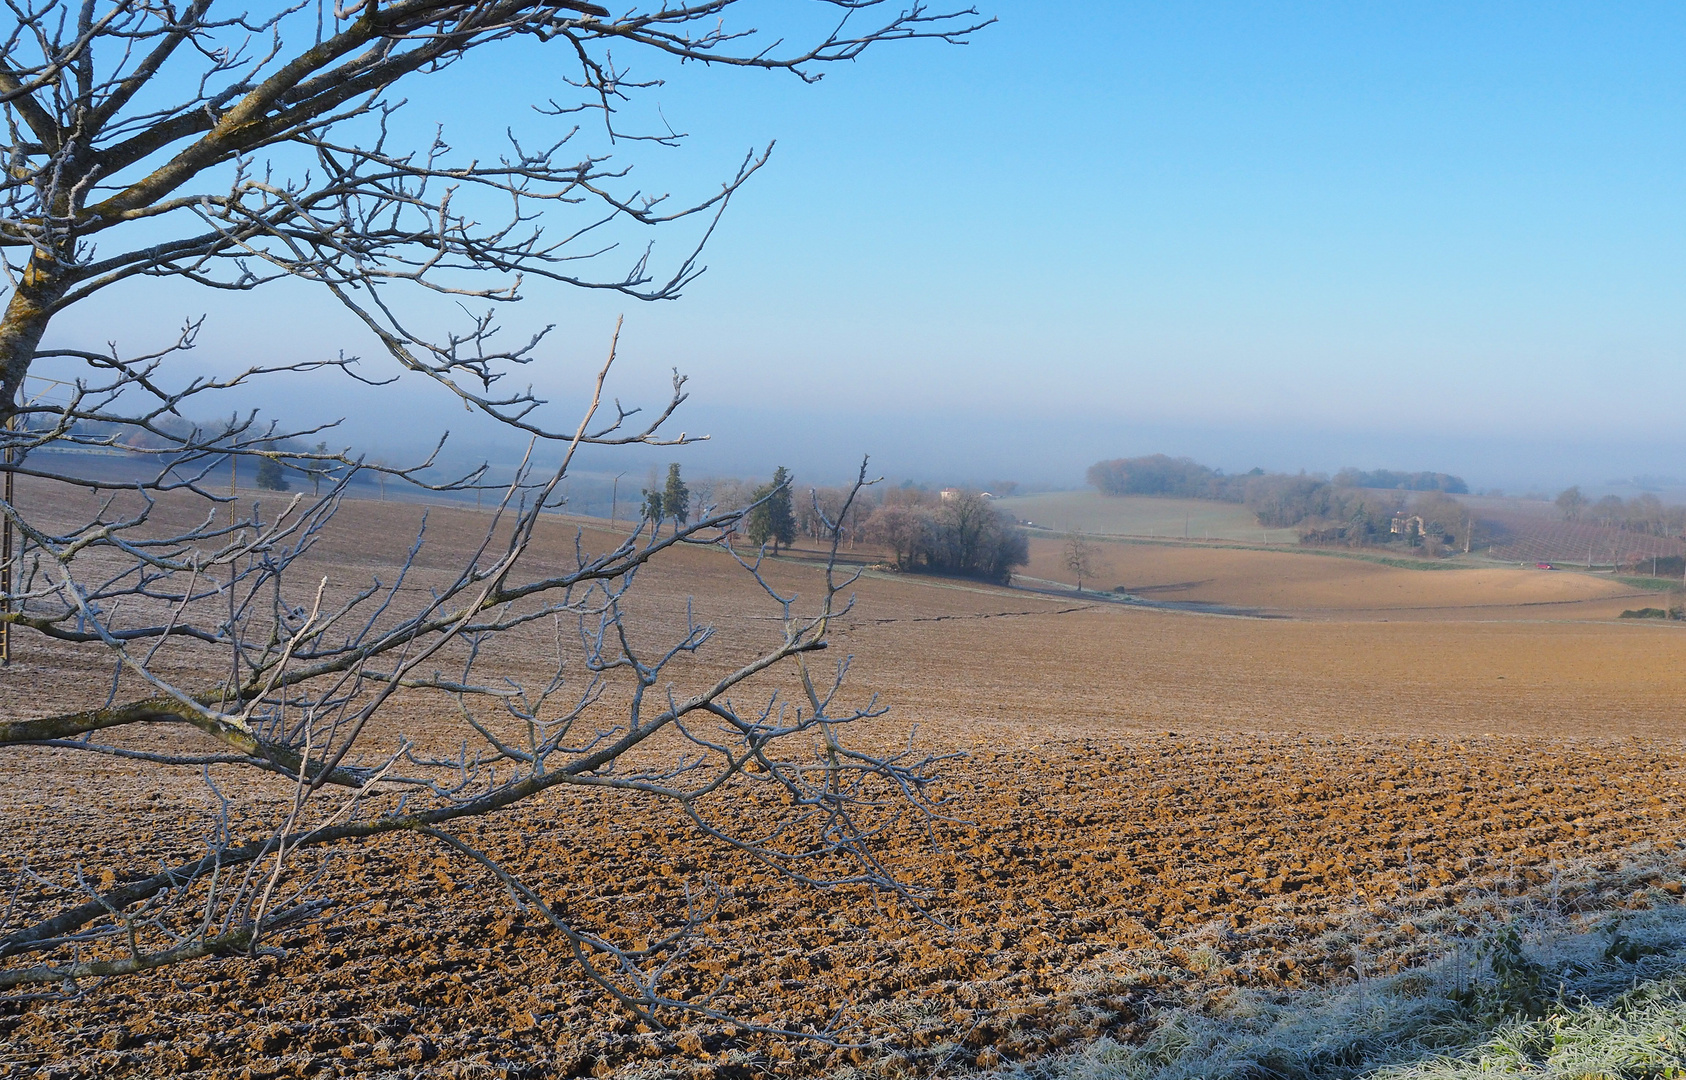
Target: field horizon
(1136, 788)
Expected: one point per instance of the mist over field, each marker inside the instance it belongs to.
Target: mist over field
(1051, 451)
(1298, 240)
(1264, 656)
(1035, 448)
(931, 442)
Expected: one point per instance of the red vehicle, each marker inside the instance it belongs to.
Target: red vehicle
(1544, 566)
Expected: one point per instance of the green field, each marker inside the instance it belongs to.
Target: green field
(1111, 515)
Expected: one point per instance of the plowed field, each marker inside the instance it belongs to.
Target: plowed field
(1155, 807)
(1310, 584)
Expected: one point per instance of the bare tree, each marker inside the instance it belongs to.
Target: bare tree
(826, 504)
(272, 160)
(902, 529)
(956, 532)
(1079, 557)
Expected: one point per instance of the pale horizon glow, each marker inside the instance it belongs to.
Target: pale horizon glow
(1407, 236)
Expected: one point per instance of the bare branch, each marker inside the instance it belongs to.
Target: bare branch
(225, 635)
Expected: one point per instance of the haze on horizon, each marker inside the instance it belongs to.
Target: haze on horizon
(1406, 236)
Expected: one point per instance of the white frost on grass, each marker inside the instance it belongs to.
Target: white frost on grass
(1611, 986)
(1641, 1035)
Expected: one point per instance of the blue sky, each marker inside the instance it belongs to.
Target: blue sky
(1303, 236)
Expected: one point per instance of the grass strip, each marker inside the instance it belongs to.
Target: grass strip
(1651, 584)
(1546, 995)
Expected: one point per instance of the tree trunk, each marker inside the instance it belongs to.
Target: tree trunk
(42, 285)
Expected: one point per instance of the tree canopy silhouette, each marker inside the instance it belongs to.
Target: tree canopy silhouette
(202, 143)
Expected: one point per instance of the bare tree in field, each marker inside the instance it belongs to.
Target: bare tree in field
(1079, 557)
(199, 142)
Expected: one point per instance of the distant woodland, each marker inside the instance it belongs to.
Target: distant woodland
(1186, 478)
(1383, 507)
(955, 531)
(1355, 507)
(1642, 514)
(1280, 499)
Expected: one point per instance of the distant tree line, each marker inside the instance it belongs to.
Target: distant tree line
(1432, 523)
(274, 472)
(1367, 508)
(769, 522)
(1279, 500)
(1157, 474)
(1356, 508)
(1642, 514)
(953, 532)
(787, 513)
(283, 460)
(1402, 481)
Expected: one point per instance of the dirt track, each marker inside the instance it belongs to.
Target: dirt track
(1156, 806)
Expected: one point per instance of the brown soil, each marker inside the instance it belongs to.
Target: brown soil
(1138, 784)
(1306, 584)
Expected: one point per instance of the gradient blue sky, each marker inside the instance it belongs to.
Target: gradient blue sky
(1296, 235)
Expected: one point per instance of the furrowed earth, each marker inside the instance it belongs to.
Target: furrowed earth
(1149, 808)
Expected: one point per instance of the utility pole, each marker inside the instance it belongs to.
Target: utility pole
(614, 495)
